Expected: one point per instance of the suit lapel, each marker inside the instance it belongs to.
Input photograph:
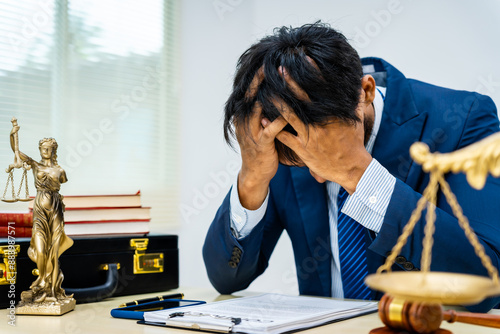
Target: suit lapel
(311, 198)
(401, 124)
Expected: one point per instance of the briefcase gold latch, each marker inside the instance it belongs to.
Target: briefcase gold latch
(8, 269)
(145, 263)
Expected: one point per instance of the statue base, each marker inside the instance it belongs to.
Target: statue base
(47, 307)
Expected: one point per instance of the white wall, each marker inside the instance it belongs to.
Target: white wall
(449, 43)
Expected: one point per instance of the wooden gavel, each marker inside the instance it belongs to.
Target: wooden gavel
(424, 318)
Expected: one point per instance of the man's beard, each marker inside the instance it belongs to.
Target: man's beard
(368, 126)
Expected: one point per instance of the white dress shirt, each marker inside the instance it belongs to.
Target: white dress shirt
(367, 205)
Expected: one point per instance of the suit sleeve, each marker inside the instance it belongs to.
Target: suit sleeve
(231, 263)
(452, 251)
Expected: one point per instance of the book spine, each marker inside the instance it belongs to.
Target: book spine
(21, 219)
(14, 231)
(108, 234)
(93, 208)
(118, 221)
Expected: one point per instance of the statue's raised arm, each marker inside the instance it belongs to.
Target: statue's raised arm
(20, 159)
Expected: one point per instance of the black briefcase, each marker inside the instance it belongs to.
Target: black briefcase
(97, 268)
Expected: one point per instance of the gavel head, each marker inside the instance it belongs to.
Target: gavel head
(415, 317)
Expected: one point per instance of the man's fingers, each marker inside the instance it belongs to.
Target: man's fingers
(290, 116)
(265, 122)
(254, 85)
(294, 86)
(274, 127)
(289, 140)
(255, 118)
(313, 63)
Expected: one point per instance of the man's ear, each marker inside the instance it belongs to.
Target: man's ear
(368, 86)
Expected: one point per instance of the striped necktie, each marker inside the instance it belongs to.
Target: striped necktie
(352, 253)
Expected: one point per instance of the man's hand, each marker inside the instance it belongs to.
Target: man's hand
(334, 151)
(258, 151)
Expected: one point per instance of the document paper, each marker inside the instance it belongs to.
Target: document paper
(269, 313)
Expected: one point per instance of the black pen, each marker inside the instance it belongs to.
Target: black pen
(154, 299)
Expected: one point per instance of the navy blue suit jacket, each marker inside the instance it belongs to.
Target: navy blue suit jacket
(446, 120)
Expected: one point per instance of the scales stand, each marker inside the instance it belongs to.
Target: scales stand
(413, 298)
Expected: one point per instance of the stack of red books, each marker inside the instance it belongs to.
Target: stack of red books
(16, 224)
(89, 215)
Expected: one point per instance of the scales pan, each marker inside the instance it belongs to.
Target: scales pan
(435, 287)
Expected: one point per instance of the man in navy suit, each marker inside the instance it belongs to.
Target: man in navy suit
(324, 140)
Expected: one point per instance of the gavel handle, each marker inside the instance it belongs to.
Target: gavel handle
(481, 319)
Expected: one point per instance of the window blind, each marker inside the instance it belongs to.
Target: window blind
(101, 77)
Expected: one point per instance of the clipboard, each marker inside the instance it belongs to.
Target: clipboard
(208, 322)
(193, 326)
(262, 314)
(137, 311)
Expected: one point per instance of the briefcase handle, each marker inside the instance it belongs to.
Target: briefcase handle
(99, 292)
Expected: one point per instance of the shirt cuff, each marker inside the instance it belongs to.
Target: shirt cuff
(244, 220)
(368, 204)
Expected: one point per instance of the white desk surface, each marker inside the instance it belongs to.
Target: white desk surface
(96, 318)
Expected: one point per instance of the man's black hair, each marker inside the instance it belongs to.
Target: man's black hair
(333, 90)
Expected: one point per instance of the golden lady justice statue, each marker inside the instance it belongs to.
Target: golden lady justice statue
(48, 240)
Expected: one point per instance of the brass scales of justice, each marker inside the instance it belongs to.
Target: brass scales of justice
(18, 163)
(412, 300)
